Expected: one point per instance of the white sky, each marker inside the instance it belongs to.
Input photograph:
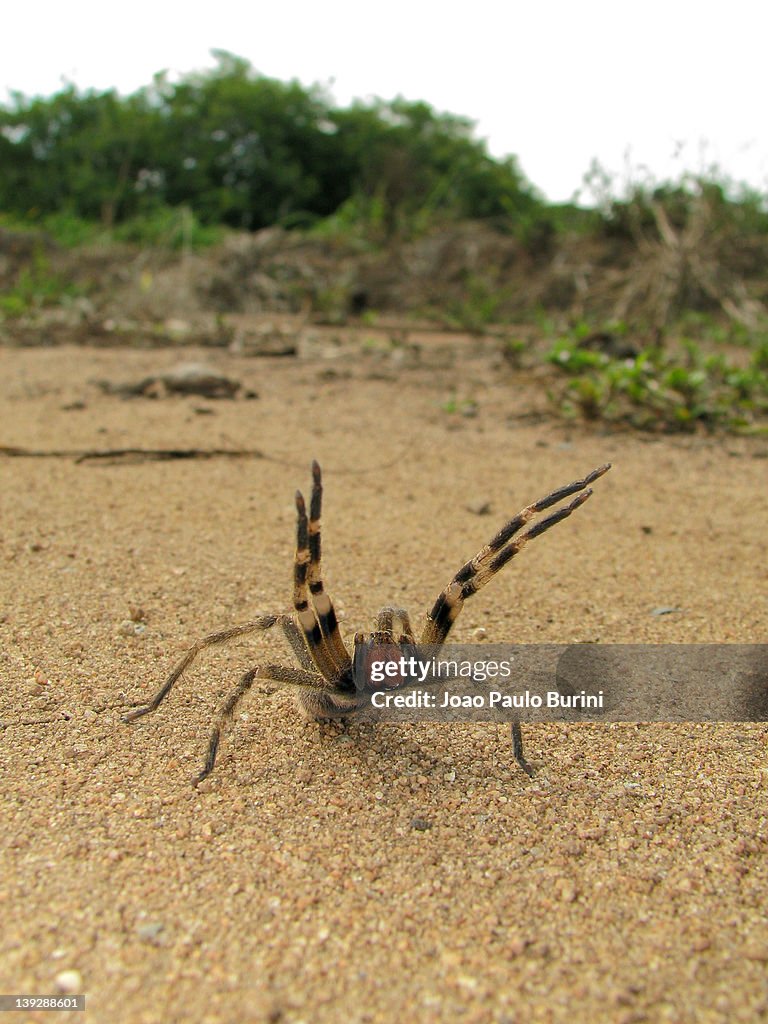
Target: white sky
(650, 86)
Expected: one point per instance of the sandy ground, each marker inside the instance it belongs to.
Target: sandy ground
(389, 873)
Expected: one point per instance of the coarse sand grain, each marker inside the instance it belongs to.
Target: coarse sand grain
(367, 874)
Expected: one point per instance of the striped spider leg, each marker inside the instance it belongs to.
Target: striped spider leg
(475, 573)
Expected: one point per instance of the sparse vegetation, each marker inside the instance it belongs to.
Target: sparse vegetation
(681, 388)
(34, 287)
(658, 297)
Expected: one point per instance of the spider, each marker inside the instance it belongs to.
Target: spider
(330, 683)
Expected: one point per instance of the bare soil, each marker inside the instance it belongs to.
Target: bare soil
(385, 873)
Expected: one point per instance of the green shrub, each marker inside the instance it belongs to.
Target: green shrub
(663, 390)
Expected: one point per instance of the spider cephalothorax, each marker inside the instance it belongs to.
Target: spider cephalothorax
(330, 683)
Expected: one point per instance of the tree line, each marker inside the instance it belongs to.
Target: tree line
(248, 151)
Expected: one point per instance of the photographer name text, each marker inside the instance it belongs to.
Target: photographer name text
(491, 699)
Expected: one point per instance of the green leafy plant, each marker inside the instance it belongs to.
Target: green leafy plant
(663, 390)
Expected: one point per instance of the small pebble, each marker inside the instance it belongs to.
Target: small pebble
(566, 891)
(69, 982)
(480, 508)
(150, 931)
(517, 945)
(129, 628)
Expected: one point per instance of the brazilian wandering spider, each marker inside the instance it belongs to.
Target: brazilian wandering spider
(330, 683)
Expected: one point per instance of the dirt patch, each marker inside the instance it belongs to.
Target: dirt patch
(372, 874)
(464, 274)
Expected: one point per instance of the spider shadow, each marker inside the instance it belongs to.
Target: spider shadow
(391, 744)
(398, 749)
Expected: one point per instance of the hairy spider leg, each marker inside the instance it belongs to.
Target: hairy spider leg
(494, 556)
(295, 638)
(326, 613)
(318, 619)
(309, 684)
(385, 623)
(517, 748)
(473, 575)
(219, 637)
